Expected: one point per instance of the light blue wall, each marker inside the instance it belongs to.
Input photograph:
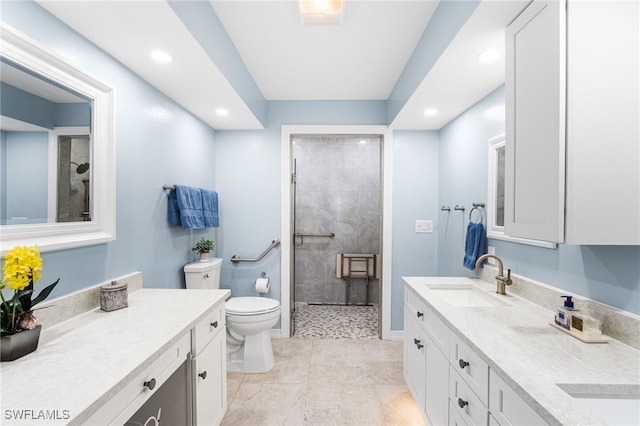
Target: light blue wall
(609, 274)
(463, 175)
(25, 176)
(415, 196)
(157, 143)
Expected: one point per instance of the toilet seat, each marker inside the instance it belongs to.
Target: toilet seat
(246, 306)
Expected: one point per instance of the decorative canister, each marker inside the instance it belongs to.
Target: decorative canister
(113, 296)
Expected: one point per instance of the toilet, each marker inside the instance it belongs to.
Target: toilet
(249, 321)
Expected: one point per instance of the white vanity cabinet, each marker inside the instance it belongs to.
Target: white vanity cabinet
(426, 368)
(573, 177)
(507, 408)
(209, 369)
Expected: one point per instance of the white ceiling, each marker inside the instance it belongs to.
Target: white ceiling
(361, 58)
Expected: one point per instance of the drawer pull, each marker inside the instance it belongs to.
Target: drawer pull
(462, 363)
(462, 403)
(418, 344)
(203, 375)
(150, 384)
(419, 314)
(214, 324)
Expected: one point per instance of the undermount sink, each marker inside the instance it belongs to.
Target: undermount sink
(466, 295)
(614, 404)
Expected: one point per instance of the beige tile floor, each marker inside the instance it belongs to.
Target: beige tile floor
(325, 382)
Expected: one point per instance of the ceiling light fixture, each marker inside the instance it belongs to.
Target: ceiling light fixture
(430, 112)
(161, 56)
(489, 55)
(321, 12)
(222, 112)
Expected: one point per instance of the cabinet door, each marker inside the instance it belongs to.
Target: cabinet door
(603, 135)
(535, 122)
(211, 382)
(414, 361)
(437, 384)
(507, 407)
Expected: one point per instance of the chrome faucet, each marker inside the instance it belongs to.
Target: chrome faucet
(501, 280)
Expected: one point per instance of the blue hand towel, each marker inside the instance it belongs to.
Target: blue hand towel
(210, 208)
(189, 202)
(474, 245)
(174, 210)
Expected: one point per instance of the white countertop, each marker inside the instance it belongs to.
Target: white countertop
(82, 363)
(531, 356)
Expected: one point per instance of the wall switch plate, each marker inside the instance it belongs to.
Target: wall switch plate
(424, 226)
(491, 260)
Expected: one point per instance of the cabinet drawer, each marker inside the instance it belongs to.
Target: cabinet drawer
(208, 327)
(428, 320)
(126, 402)
(465, 402)
(507, 407)
(473, 369)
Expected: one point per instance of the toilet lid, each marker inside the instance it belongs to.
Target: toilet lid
(250, 305)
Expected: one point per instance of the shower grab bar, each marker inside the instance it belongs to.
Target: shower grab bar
(329, 235)
(275, 243)
(301, 236)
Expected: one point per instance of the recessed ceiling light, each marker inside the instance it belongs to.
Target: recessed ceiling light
(489, 55)
(363, 141)
(430, 112)
(320, 12)
(161, 56)
(222, 112)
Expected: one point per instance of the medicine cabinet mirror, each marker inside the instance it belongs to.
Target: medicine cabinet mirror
(495, 195)
(57, 175)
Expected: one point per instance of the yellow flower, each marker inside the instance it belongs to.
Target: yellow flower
(22, 266)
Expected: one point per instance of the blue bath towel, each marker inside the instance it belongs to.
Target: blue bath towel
(174, 210)
(210, 208)
(189, 202)
(474, 245)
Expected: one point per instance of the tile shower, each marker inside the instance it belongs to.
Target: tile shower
(337, 190)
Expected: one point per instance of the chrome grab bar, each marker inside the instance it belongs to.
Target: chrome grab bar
(301, 236)
(275, 243)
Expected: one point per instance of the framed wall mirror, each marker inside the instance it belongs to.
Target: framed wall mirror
(495, 195)
(57, 171)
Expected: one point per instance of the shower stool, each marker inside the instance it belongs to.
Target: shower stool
(360, 266)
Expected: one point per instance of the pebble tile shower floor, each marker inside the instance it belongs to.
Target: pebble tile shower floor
(336, 321)
(347, 382)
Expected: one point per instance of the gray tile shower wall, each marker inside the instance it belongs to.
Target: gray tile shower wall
(337, 190)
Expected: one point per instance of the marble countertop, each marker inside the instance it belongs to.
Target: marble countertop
(82, 363)
(517, 342)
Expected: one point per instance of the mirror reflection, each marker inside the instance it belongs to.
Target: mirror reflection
(45, 149)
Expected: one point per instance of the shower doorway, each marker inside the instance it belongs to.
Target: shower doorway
(336, 206)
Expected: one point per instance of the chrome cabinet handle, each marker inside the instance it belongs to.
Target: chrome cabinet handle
(462, 363)
(203, 375)
(150, 384)
(462, 403)
(214, 324)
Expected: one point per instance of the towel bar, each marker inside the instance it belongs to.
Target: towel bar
(165, 187)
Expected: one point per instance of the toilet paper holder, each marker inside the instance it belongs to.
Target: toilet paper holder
(262, 284)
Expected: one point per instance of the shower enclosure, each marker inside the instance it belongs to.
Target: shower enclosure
(336, 195)
(73, 178)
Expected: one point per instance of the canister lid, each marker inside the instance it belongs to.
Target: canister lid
(114, 286)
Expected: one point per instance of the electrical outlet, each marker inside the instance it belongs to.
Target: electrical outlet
(424, 226)
(491, 260)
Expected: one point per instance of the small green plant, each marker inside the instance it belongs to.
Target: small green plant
(204, 246)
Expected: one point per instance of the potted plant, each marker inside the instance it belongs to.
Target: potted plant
(20, 331)
(204, 247)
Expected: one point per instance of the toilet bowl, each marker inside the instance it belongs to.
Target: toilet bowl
(249, 321)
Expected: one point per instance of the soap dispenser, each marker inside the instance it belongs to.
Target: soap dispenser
(563, 314)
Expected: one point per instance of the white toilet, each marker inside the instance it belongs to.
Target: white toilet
(249, 321)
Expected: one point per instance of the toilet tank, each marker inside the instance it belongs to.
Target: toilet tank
(203, 274)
